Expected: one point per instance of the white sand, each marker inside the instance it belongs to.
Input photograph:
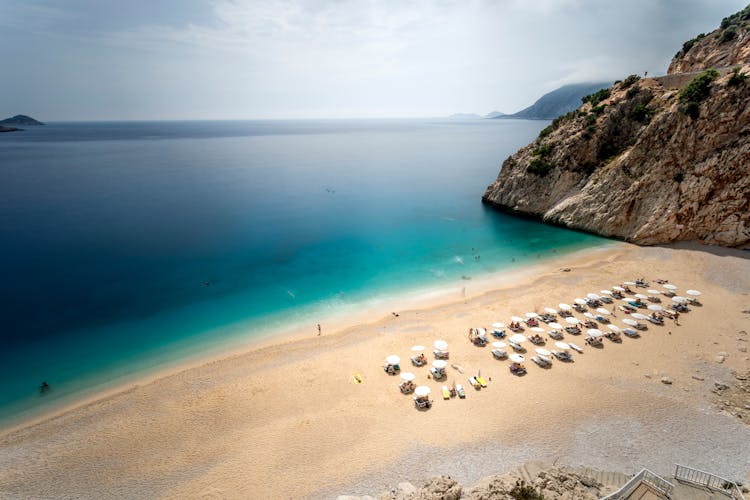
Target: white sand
(285, 420)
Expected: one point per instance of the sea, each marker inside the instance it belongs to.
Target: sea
(127, 247)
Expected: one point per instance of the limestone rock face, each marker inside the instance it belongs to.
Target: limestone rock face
(641, 164)
(726, 46)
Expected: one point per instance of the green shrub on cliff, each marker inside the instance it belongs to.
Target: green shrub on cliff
(737, 77)
(596, 97)
(540, 167)
(728, 34)
(630, 80)
(641, 113)
(696, 91)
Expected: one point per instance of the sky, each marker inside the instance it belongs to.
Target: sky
(258, 59)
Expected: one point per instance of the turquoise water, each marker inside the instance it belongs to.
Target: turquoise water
(125, 247)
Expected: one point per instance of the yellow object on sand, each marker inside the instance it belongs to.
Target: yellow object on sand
(446, 393)
(357, 378)
(481, 381)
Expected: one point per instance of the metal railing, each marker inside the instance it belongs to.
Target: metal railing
(644, 477)
(710, 481)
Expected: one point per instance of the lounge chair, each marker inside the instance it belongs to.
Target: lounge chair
(498, 333)
(541, 361)
(602, 319)
(554, 334)
(562, 355)
(481, 380)
(475, 383)
(406, 387)
(499, 354)
(631, 333)
(437, 373)
(573, 330)
(580, 308)
(575, 347)
(606, 300)
(460, 391)
(627, 309)
(440, 354)
(418, 360)
(517, 369)
(515, 346)
(446, 392)
(656, 321)
(594, 341)
(536, 339)
(590, 324)
(613, 336)
(422, 402)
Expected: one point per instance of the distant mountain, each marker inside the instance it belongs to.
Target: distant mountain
(558, 102)
(464, 116)
(495, 114)
(22, 120)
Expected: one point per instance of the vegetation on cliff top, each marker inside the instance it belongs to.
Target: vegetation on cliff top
(696, 91)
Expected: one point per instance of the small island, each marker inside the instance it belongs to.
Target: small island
(10, 124)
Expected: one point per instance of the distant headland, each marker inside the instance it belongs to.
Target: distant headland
(11, 124)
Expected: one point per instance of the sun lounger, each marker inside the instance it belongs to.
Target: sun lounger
(573, 330)
(541, 361)
(575, 347)
(446, 392)
(499, 354)
(440, 354)
(606, 300)
(631, 333)
(536, 339)
(562, 355)
(613, 336)
(656, 321)
(460, 391)
(554, 334)
(419, 360)
(481, 380)
(498, 333)
(422, 403)
(594, 341)
(475, 383)
(515, 346)
(517, 369)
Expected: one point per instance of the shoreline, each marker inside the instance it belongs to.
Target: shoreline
(335, 323)
(259, 423)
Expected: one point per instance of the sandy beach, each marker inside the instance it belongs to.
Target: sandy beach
(285, 419)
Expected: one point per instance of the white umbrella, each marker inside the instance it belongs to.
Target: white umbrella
(516, 319)
(422, 391)
(498, 325)
(589, 315)
(694, 293)
(670, 286)
(550, 310)
(441, 345)
(408, 376)
(640, 296)
(499, 345)
(605, 292)
(393, 359)
(655, 307)
(603, 311)
(482, 332)
(537, 329)
(580, 302)
(629, 283)
(517, 358)
(628, 299)
(639, 316)
(532, 315)
(594, 332)
(630, 322)
(440, 363)
(417, 348)
(654, 292)
(572, 320)
(618, 288)
(563, 306)
(592, 296)
(556, 326)
(614, 328)
(679, 300)
(562, 345)
(542, 351)
(517, 338)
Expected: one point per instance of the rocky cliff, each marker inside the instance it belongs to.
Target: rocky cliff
(649, 160)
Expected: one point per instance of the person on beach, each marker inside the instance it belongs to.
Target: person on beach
(676, 317)
(319, 329)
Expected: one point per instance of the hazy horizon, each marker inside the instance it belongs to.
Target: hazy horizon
(325, 59)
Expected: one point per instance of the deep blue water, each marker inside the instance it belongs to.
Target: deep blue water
(126, 245)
